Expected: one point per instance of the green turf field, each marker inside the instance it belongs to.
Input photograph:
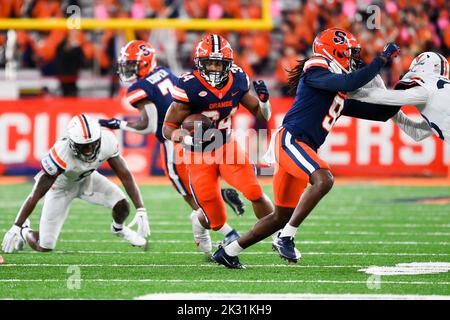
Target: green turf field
(353, 228)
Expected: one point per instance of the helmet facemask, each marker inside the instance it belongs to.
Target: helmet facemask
(86, 152)
(355, 61)
(128, 70)
(213, 77)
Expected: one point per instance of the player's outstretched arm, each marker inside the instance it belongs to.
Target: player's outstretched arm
(259, 107)
(42, 185)
(175, 115)
(324, 79)
(416, 129)
(146, 124)
(120, 168)
(416, 96)
(13, 237)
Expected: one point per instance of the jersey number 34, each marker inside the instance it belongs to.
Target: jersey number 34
(333, 113)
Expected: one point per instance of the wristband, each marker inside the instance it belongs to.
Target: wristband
(188, 140)
(123, 124)
(266, 109)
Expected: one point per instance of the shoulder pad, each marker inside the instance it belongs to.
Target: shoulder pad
(49, 167)
(179, 93)
(316, 62)
(59, 154)
(135, 93)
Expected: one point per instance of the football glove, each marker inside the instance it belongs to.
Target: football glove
(141, 219)
(261, 90)
(13, 240)
(110, 123)
(390, 51)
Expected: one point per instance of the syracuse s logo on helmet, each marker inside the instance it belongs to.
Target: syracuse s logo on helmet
(339, 37)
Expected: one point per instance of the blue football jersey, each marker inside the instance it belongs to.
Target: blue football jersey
(217, 104)
(320, 98)
(156, 87)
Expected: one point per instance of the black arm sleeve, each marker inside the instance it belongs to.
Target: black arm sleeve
(369, 111)
(324, 79)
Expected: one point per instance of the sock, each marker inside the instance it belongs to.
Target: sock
(117, 226)
(196, 225)
(226, 229)
(233, 249)
(275, 235)
(288, 231)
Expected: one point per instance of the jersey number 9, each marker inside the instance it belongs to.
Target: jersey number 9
(333, 113)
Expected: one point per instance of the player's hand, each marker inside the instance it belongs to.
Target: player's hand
(390, 51)
(110, 123)
(141, 219)
(13, 240)
(261, 90)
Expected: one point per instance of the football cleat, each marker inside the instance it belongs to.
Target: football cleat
(221, 257)
(129, 235)
(230, 237)
(231, 197)
(285, 247)
(201, 235)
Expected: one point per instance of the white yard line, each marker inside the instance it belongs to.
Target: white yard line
(285, 296)
(319, 218)
(244, 253)
(300, 242)
(209, 265)
(233, 281)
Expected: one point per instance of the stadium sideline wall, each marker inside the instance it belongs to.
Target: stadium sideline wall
(28, 128)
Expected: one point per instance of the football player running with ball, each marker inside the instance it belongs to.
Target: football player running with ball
(68, 171)
(321, 84)
(150, 93)
(215, 89)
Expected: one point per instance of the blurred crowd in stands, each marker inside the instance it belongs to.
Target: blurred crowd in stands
(416, 25)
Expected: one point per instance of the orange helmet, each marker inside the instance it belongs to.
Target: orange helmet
(213, 47)
(340, 46)
(136, 60)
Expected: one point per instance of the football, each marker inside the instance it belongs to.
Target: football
(195, 121)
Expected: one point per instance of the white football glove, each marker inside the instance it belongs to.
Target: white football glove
(141, 220)
(13, 240)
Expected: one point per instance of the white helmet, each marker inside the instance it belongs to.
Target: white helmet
(84, 137)
(428, 64)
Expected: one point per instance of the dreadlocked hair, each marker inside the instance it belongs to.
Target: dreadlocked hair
(294, 76)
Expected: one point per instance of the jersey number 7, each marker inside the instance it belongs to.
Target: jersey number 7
(333, 113)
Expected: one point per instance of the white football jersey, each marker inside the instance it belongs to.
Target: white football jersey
(437, 107)
(61, 161)
(431, 97)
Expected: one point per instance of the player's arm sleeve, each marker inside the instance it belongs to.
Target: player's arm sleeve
(416, 129)
(323, 78)
(55, 162)
(135, 94)
(368, 111)
(49, 167)
(179, 92)
(415, 96)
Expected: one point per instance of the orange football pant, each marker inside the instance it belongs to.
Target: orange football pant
(232, 164)
(295, 162)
